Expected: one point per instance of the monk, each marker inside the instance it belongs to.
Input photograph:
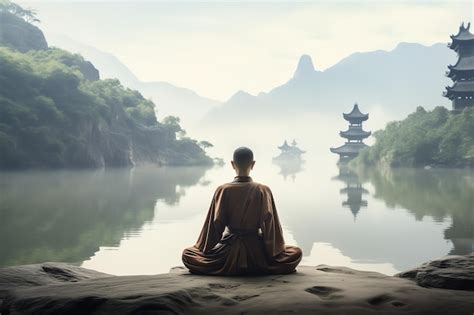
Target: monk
(242, 234)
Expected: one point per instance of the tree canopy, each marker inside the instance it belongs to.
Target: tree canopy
(26, 14)
(57, 115)
(436, 137)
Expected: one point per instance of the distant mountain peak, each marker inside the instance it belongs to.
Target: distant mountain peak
(305, 67)
(239, 96)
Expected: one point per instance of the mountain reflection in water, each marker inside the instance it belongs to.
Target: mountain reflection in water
(438, 193)
(67, 215)
(138, 221)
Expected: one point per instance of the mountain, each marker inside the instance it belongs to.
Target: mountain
(398, 81)
(170, 99)
(305, 69)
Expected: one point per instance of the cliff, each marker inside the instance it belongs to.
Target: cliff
(59, 288)
(16, 33)
(66, 117)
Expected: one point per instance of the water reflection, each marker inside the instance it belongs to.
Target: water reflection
(67, 215)
(438, 193)
(289, 167)
(353, 190)
(130, 222)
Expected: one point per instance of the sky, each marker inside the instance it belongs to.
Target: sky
(217, 48)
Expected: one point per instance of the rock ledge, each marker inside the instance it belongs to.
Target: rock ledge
(53, 288)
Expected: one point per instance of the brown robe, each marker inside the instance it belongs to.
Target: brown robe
(242, 234)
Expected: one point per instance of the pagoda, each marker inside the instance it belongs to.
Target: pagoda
(353, 135)
(462, 73)
(289, 152)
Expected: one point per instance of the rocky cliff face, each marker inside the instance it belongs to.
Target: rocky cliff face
(88, 70)
(18, 34)
(120, 142)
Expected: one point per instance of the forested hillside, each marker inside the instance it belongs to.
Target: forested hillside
(55, 112)
(424, 138)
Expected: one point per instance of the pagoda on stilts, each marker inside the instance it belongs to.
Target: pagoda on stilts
(462, 73)
(354, 135)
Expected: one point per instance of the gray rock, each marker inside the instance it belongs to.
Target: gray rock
(449, 272)
(18, 34)
(44, 274)
(63, 289)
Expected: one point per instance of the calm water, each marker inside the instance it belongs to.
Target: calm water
(138, 221)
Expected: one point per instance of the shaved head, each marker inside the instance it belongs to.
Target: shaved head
(243, 157)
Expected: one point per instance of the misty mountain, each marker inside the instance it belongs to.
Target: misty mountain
(169, 99)
(398, 81)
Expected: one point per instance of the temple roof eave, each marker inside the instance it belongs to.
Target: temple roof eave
(460, 88)
(355, 133)
(348, 149)
(355, 114)
(463, 33)
(463, 64)
(350, 118)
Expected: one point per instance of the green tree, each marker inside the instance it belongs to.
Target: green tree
(27, 15)
(205, 144)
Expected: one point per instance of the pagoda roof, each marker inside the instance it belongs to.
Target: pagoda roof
(297, 150)
(354, 206)
(349, 149)
(284, 146)
(354, 190)
(463, 35)
(355, 115)
(460, 87)
(355, 132)
(464, 63)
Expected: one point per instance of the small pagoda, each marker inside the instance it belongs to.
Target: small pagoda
(354, 135)
(462, 73)
(289, 152)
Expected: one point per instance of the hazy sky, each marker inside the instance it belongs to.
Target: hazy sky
(217, 48)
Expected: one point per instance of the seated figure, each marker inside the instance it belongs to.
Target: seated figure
(242, 234)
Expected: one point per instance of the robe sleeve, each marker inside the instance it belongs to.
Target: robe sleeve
(215, 223)
(270, 225)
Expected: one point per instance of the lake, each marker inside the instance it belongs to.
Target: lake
(137, 221)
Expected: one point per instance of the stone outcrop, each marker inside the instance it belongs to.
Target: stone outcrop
(450, 272)
(59, 288)
(19, 34)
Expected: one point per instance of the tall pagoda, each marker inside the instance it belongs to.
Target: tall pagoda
(354, 135)
(462, 73)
